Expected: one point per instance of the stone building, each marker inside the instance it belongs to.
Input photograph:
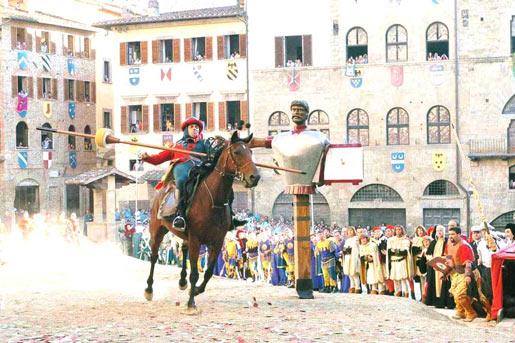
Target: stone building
(372, 77)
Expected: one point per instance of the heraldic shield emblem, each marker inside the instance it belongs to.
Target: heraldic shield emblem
(397, 75)
(439, 160)
(23, 159)
(398, 161)
(232, 71)
(73, 159)
(134, 76)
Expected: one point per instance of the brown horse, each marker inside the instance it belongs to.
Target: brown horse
(209, 217)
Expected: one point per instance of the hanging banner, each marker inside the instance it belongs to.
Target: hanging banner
(293, 80)
(134, 76)
(196, 72)
(73, 159)
(350, 70)
(21, 105)
(23, 61)
(232, 70)
(23, 159)
(398, 161)
(166, 74)
(439, 160)
(168, 140)
(397, 75)
(436, 74)
(71, 110)
(71, 66)
(47, 109)
(47, 159)
(46, 62)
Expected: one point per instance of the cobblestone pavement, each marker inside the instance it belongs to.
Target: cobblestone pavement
(97, 296)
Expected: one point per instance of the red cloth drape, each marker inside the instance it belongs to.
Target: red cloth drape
(508, 253)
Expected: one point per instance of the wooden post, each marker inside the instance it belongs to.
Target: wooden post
(301, 221)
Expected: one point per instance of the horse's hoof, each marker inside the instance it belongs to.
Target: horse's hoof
(192, 311)
(148, 295)
(183, 287)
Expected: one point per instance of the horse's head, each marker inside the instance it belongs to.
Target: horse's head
(236, 159)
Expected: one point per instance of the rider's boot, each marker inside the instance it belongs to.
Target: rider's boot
(179, 223)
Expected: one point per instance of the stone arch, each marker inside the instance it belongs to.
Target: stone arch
(27, 196)
(375, 192)
(500, 222)
(283, 206)
(441, 188)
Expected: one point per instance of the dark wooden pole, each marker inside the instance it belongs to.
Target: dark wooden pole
(301, 221)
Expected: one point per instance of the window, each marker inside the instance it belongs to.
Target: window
(509, 108)
(441, 188)
(23, 84)
(87, 141)
(511, 177)
(500, 222)
(232, 46)
(200, 111)
(166, 51)
(21, 42)
(22, 135)
(87, 94)
(293, 47)
(376, 192)
(357, 127)
(167, 118)
(233, 114)
(357, 46)
(396, 44)
(71, 49)
(513, 34)
(134, 53)
(71, 139)
(319, 117)
(107, 71)
(511, 137)
(293, 51)
(71, 89)
(438, 125)
(437, 42)
(44, 46)
(198, 48)
(397, 127)
(135, 119)
(107, 118)
(279, 118)
(47, 88)
(46, 137)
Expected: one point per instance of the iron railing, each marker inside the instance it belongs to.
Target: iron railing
(489, 146)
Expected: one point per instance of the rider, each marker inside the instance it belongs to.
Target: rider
(192, 141)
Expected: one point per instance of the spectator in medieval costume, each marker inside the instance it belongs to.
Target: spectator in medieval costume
(400, 264)
(416, 253)
(371, 269)
(351, 260)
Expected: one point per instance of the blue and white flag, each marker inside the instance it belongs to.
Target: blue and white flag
(71, 110)
(23, 159)
(73, 159)
(46, 62)
(398, 161)
(23, 60)
(196, 72)
(134, 76)
(71, 66)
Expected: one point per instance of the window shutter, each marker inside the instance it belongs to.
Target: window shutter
(177, 50)
(210, 116)
(30, 87)
(209, 48)
(14, 85)
(243, 45)
(80, 90)
(93, 54)
(86, 47)
(155, 51)
(54, 89)
(222, 120)
(123, 119)
(144, 52)
(40, 88)
(28, 39)
(279, 52)
(189, 110)
(220, 47)
(243, 111)
(157, 118)
(93, 91)
(38, 43)
(176, 117)
(145, 118)
(13, 37)
(123, 54)
(187, 49)
(51, 45)
(66, 90)
(306, 50)
(65, 45)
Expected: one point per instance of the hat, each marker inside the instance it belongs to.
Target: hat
(391, 227)
(476, 228)
(192, 121)
(377, 229)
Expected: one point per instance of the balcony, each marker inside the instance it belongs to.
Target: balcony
(490, 148)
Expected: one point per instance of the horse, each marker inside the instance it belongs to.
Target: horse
(209, 217)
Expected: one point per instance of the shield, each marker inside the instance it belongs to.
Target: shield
(134, 149)
(21, 105)
(196, 72)
(436, 74)
(23, 159)
(166, 74)
(350, 70)
(73, 159)
(439, 160)
(47, 109)
(46, 62)
(47, 159)
(71, 110)
(293, 80)
(23, 61)
(168, 140)
(71, 66)
(356, 82)
(232, 70)
(397, 75)
(398, 161)
(134, 80)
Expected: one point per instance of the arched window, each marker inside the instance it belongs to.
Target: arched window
(509, 108)
(46, 137)
(438, 125)
(22, 135)
(320, 118)
(511, 137)
(376, 192)
(71, 139)
(511, 177)
(437, 42)
(441, 188)
(357, 127)
(283, 207)
(396, 44)
(500, 222)
(87, 141)
(278, 118)
(357, 45)
(397, 127)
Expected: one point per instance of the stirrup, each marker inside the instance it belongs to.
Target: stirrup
(179, 223)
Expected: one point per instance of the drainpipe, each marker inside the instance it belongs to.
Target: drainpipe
(456, 109)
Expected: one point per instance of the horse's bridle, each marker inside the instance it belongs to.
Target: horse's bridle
(237, 173)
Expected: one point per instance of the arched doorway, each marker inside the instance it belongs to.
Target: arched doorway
(283, 206)
(374, 195)
(27, 196)
(441, 191)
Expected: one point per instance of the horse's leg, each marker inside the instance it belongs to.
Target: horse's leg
(183, 284)
(156, 238)
(214, 251)
(194, 252)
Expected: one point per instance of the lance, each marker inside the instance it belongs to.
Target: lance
(104, 137)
